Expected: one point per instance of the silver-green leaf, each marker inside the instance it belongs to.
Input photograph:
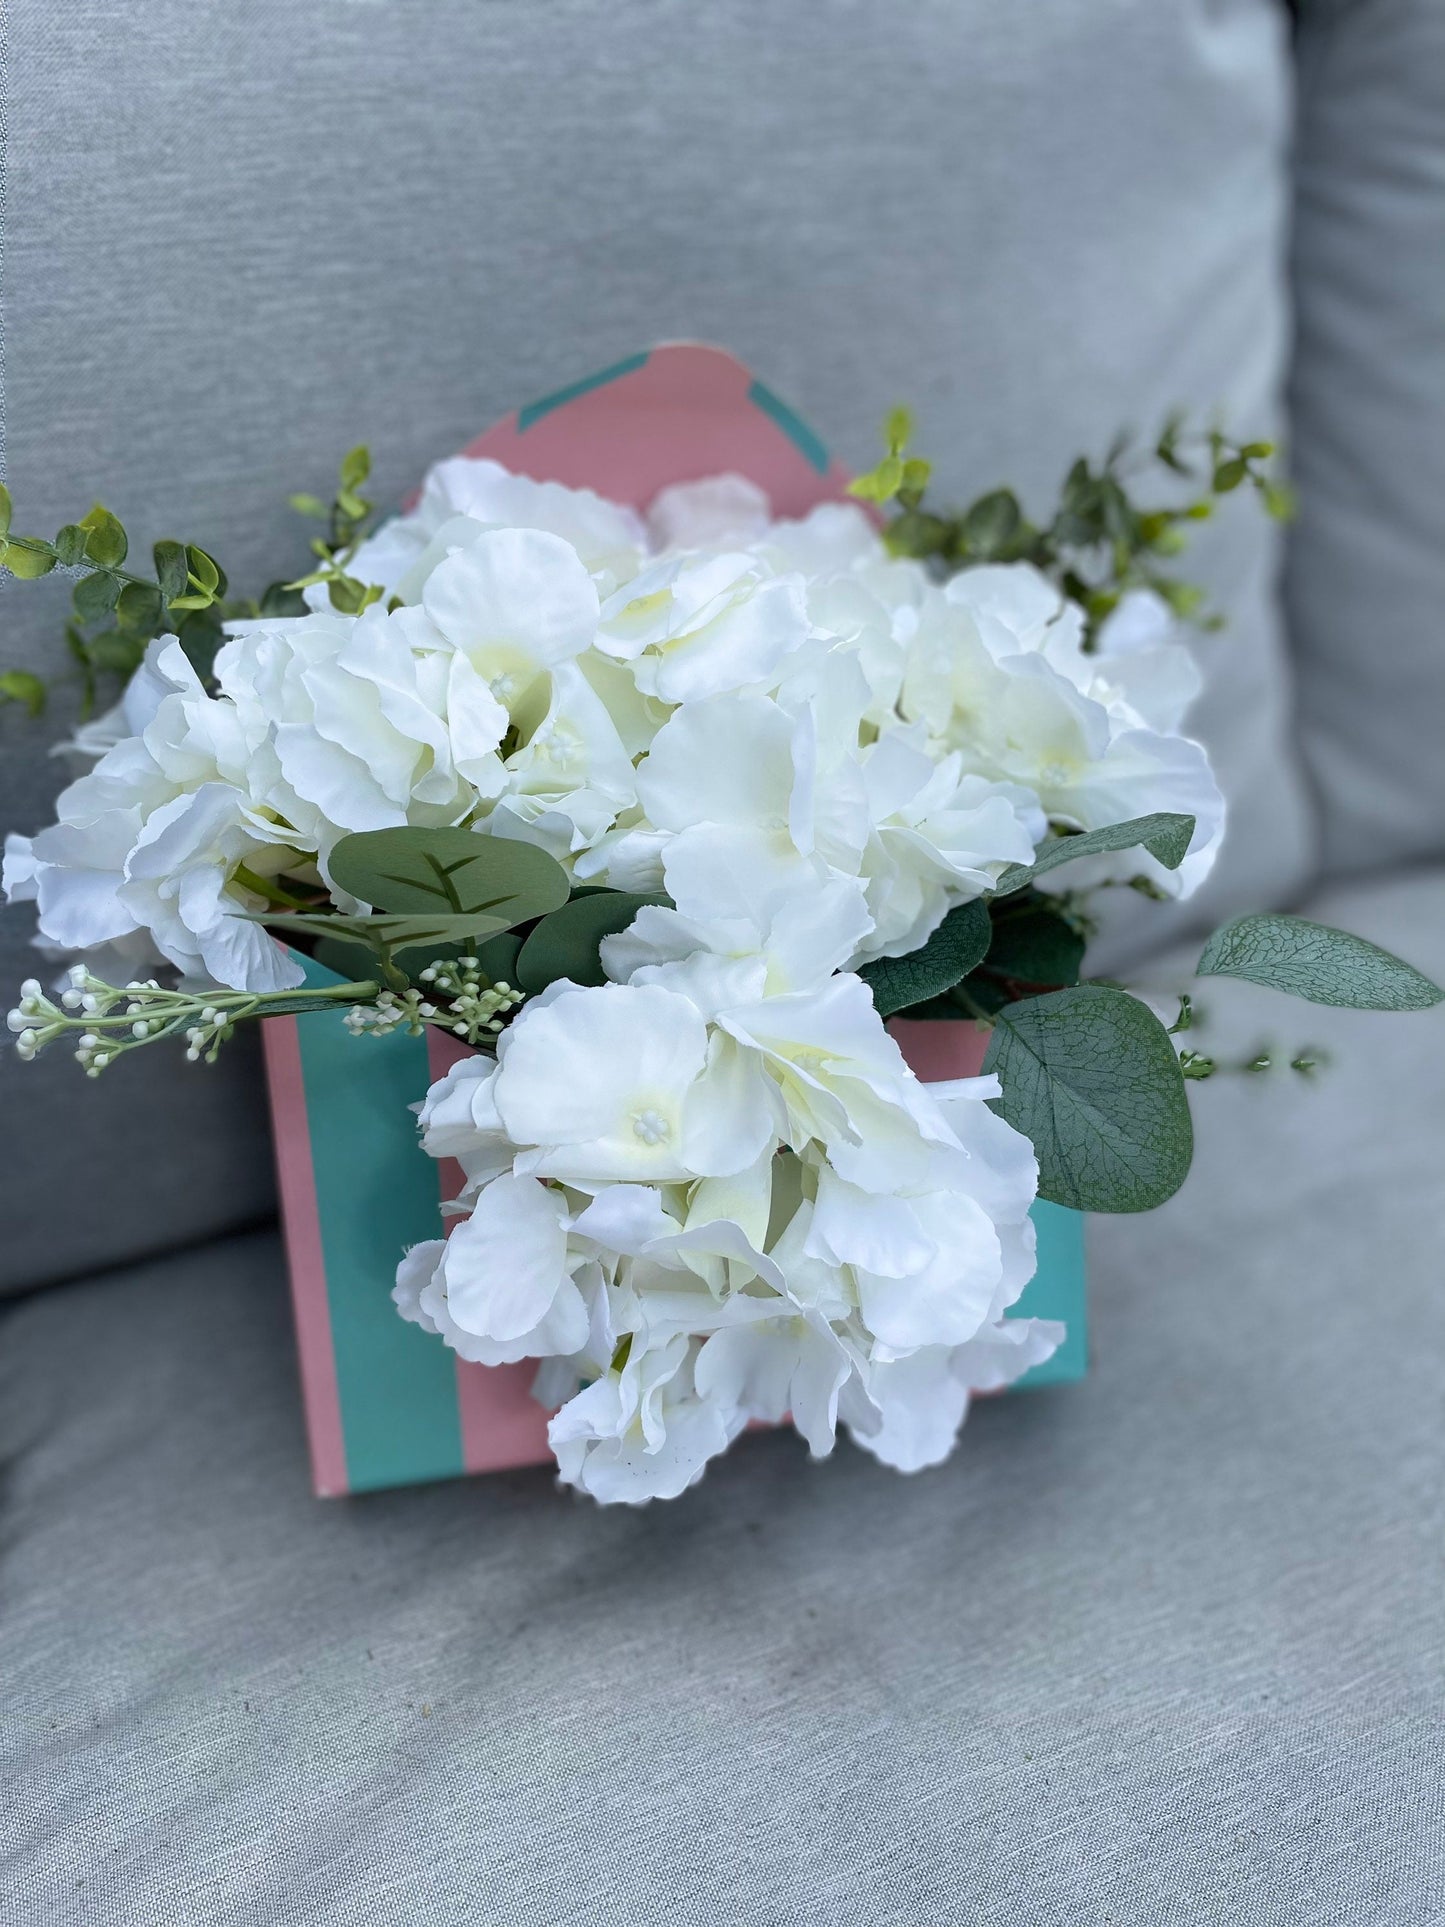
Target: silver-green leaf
(1165, 835)
(451, 872)
(1312, 961)
(1090, 1077)
(384, 932)
(567, 943)
(957, 946)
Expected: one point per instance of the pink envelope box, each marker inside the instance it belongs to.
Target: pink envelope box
(386, 1404)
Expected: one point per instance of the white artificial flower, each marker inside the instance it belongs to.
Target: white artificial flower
(499, 1287)
(623, 1083)
(178, 886)
(735, 1148)
(517, 603)
(697, 625)
(466, 497)
(644, 1432)
(720, 512)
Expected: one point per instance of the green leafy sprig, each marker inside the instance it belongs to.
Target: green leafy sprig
(1100, 541)
(346, 518)
(116, 612)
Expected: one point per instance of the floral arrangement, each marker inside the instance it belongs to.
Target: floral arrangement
(665, 817)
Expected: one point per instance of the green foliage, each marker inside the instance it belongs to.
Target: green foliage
(381, 932)
(1100, 541)
(28, 557)
(899, 474)
(345, 518)
(116, 612)
(105, 541)
(457, 872)
(1090, 1077)
(1321, 965)
(567, 943)
(955, 948)
(1036, 946)
(1165, 835)
(20, 686)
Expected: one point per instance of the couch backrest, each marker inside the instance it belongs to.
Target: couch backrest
(1366, 576)
(244, 234)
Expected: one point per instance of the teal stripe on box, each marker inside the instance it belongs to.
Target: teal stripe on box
(793, 426)
(535, 410)
(1056, 1290)
(376, 1193)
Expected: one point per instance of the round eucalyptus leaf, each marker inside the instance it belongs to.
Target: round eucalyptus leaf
(567, 943)
(1090, 1077)
(450, 872)
(957, 946)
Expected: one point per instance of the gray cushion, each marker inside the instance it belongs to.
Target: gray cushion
(242, 236)
(1366, 579)
(1162, 1647)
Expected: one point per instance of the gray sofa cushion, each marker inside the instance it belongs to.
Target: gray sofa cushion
(240, 236)
(1162, 1647)
(1366, 579)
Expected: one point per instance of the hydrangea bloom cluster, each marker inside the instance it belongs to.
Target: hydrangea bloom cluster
(708, 1191)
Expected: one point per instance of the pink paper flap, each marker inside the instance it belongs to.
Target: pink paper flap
(676, 414)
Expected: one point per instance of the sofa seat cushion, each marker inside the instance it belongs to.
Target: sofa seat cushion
(1158, 1647)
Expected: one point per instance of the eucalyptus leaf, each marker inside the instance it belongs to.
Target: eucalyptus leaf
(355, 467)
(105, 541)
(495, 879)
(1036, 946)
(278, 600)
(497, 956)
(381, 933)
(957, 946)
(6, 510)
(170, 561)
(28, 557)
(333, 953)
(70, 544)
(20, 686)
(1164, 835)
(95, 596)
(566, 943)
(204, 571)
(992, 523)
(1090, 1077)
(139, 607)
(1312, 961)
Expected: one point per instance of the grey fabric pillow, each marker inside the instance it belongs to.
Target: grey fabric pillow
(1366, 575)
(242, 236)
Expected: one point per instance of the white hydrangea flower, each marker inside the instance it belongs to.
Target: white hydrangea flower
(769, 1205)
